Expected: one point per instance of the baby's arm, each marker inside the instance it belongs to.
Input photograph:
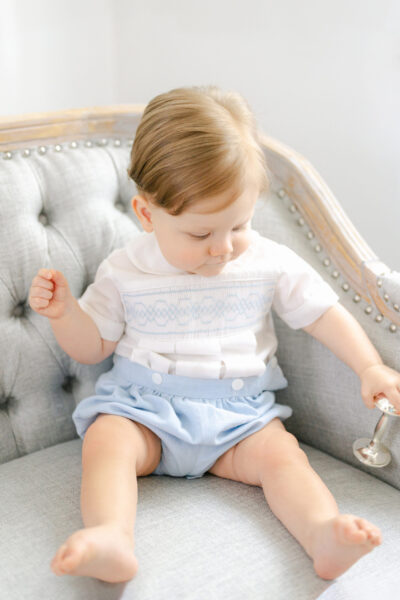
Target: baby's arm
(74, 329)
(340, 332)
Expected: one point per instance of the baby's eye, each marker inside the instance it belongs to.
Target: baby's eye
(199, 237)
(241, 227)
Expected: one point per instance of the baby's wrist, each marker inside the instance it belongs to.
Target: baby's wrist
(374, 365)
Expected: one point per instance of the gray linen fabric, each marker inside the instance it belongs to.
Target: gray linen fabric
(195, 539)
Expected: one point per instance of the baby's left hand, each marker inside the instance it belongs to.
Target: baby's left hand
(380, 380)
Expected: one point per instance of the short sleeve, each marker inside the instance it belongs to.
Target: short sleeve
(301, 295)
(102, 302)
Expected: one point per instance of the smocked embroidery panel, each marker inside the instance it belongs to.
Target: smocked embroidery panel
(206, 310)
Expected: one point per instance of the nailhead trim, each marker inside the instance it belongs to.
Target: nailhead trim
(281, 193)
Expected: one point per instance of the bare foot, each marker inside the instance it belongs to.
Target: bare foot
(104, 552)
(340, 542)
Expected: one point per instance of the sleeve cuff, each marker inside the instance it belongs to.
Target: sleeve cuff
(109, 330)
(307, 313)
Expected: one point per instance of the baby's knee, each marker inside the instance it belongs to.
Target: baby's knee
(109, 431)
(281, 449)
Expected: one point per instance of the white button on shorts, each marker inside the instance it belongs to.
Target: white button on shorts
(237, 384)
(156, 377)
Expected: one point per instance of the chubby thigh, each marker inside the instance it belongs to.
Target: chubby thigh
(259, 453)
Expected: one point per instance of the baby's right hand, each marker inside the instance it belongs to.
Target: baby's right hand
(50, 295)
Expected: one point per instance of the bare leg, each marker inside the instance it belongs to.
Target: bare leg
(272, 459)
(115, 451)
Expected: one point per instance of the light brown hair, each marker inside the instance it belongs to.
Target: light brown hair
(193, 143)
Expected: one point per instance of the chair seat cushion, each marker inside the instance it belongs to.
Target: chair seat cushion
(195, 539)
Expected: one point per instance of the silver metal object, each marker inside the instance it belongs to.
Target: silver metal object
(372, 452)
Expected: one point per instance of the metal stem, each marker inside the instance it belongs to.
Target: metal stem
(379, 430)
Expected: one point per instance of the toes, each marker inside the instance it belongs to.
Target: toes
(56, 562)
(352, 529)
(373, 534)
(68, 557)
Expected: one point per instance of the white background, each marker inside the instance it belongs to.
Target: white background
(322, 76)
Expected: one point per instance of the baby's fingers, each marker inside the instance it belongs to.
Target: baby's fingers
(41, 292)
(393, 395)
(39, 303)
(40, 281)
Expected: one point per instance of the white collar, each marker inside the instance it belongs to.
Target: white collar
(145, 253)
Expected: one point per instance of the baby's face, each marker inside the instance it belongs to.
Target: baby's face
(201, 242)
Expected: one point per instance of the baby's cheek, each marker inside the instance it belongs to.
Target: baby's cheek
(242, 244)
(190, 255)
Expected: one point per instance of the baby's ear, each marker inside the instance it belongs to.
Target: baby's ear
(142, 209)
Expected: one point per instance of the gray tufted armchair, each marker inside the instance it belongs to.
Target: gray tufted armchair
(65, 203)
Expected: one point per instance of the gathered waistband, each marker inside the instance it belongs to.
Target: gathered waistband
(192, 387)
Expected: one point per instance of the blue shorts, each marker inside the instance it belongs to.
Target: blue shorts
(197, 420)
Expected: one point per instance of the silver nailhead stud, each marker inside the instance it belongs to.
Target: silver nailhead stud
(42, 150)
(317, 248)
(281, 193)
(117, 143)
(326, 262)
(292, 208)
(88, 144)
(26, 153)
(300, 221)
(7, 156)
(379, 318)
(73, 145)
(335, 274)
(58, 148)
(396, 307)
(346, 287)
(379, 283)
(356, 298)
(386, 297)
(310, 235)
(102, 142)
(393, 328)
(368, 310)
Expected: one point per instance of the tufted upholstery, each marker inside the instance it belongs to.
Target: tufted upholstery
(65, 204)
(67, 210)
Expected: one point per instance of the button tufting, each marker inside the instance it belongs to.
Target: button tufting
(156, 377)
(5, 399)
(68, 383)
(43, 218)
(119, 205)
(19, 310)
(237, 384)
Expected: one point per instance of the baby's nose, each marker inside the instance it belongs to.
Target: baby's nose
(221, 247)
